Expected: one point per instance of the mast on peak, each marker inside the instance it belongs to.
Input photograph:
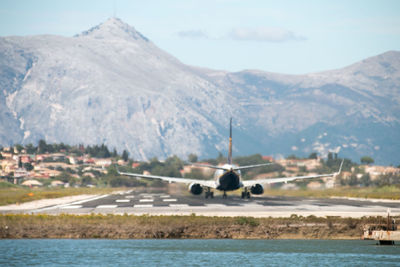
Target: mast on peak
(230, 143)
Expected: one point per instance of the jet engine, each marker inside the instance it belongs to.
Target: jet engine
(195, 189)
(257, 189)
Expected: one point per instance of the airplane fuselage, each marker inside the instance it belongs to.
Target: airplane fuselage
(228, 179)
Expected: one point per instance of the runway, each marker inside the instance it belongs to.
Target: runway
(130, 202)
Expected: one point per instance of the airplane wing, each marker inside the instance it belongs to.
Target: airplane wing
(252, 166)
(227, 169)
(206, 183)
(209, 166)
(288, 179)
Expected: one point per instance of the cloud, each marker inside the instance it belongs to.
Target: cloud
(265, 34)
(261, 34)
(193, 34)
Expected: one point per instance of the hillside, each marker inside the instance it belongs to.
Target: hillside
(112, 85)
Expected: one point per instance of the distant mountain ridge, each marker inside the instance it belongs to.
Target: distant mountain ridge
(112, 85)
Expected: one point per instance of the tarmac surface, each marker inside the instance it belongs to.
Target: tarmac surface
(130, 202)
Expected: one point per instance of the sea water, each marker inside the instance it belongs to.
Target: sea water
(103, 252)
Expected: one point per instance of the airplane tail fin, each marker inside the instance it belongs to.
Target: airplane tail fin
(230, 144)
(340, 168)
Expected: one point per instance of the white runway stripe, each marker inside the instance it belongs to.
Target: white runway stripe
(146, 200)
(215, 205)
(164, 196)
(106, 206)
(122, 200)
(170, 200)
(72, 207)
(178, 205)
(143, 206)
(129, 196)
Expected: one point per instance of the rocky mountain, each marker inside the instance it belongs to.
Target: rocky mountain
(112, 85)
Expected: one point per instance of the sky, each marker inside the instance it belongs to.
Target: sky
(291, 37)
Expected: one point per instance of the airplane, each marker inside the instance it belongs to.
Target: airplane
(228, 178)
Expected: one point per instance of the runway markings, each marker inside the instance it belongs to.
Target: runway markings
(143, 206)
(170, 200)
(106, 206)
(122, 200)
(146, 200)
(129, 196)
(165, 196)
(90, 199)
(72, 207)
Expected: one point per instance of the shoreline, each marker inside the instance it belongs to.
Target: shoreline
(23, 226)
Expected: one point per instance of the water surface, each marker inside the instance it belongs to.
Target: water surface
(102, 252)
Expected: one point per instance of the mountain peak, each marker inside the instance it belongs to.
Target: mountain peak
(113, 28)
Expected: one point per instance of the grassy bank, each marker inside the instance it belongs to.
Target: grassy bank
(138, 227)
(17, 194)
(385, 192)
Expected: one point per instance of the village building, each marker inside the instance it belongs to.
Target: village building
(314, 185)
(203, 170)
(8, 165)
(32, 183)
(72, 160)
(6, 155)
(268, 158)
(376, 171)
(21, 173)
(56, 183)
(26, 158)
(309, 164)
(135, 164)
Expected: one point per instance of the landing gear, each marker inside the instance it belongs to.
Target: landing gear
(246, 194)
(208, 193)
(224, 195)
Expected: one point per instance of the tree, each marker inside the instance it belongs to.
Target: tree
(367, 160)
(64, 177)
(313, 155)
(221, 158)
(30, 149)
(249, 160)
(365, 180)
(42, 146)
(19, 148)
(192, 158)
(98, 151)
(87, 180)
(196, 174)
(353, 180)
(125, 155)
(28, 166)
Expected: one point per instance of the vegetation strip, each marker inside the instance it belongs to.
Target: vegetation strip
(14, 195)
(139, 227)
